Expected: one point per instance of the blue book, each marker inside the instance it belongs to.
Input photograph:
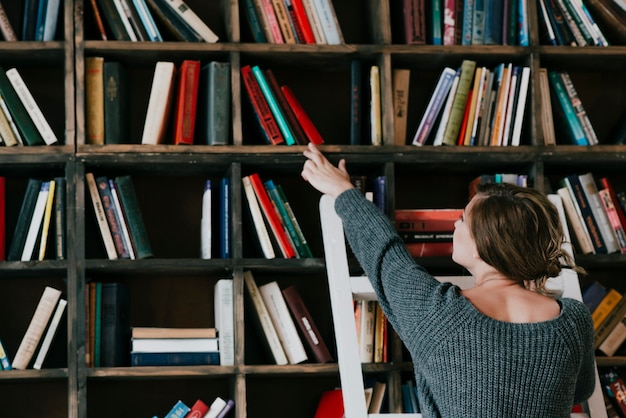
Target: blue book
(478, 23)
(274, 107)
(522, 17)
(493, 22)
(434, 106)
(175, 359)
(593, 294)
(41, 20)
(254, 22)
(178, 411)
(4, 358)
(468, 22)
(225, 218)
(147, 21)
(569, 118)
(356, 98)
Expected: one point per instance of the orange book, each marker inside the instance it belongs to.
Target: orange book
(303, 118)
(261, 107)
(186, 103)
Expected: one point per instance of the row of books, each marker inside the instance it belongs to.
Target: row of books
(462, 22)
(118, 216)
(187, 105)
(608, 309)
(134, 20)
(595, 214)
(371, 331)
(281, 117)
(293, 21)
(39, 21)
(274, 220)
(285, 323)
(21, 120)
(40, 229)
(476, 106)
(567, 22)
(219, 408)
(39, 335)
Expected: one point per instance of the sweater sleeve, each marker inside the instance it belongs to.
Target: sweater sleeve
(404, 289)
(585, 382)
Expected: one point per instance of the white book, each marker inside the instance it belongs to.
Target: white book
(123, 220)
(192, 19)
(52, 16)
(31, 106)
(174, 345)
(35, 222)
(257, 219)
(520, 111)
(101, 219)
(314, 21)
(39, 321)
(225, 320)
(268, 329)
(509, 106)
(124, 18)
(50, 333)
(47, 216)
(205, 223)
(447, 109)
(328, 19)
(215, 408)
(159, 103)
(591, 191)
(283, 322)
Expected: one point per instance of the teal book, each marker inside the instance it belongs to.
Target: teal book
(4, 358)
(567, 115)
(284, 217)
(436, 27)
(274, 107)
(225, 219)
(214, 104)
(115, 103)
(132, 213)
(305, 244)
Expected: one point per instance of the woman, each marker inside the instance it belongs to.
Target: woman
(503, 348)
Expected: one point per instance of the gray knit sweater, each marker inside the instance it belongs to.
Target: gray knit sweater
(467, 364)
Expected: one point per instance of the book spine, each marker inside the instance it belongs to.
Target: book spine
(366, 334)
(50, 333)
(39, 321)
(447, 108)
(261, 107)
(192, 19)
(287, 110)
(35, 222)
(281, 211)
(571, 23)
(14, 107)
(256, 21)
(257, 219)
(579, 109)
(273, 105)
(115, 103)
(187, 101)
(23, 220)
(94, 100)
(7, 132)
(268, 329)
(611, 213)
(132, 212)
(376, 129)
(585, 246)
(294, 220)
(175, 25)
(112, 217)
(272, 21)
(159, 103)
(356, 99)
(590, 189)
(522, 21)
(449, 15)
(575, 129)
(579, 198)
(198, 410)
(606, 184)
(101, 218)
(614, 316)
(115, 325)
(305, 122)
(414, 20)
(225, 220)
(217, 80)
(205, 222)
(178, 410)
(605, 307)
(478, 22)
(434, 106)
(401, 79)
(47, 216)
(137, 25)
(520, 107)
(270, 215)
(283, 19)
(119, 7)
(230, 405)
(6, 29)
(468, 20)
(328, 20)
(561, 30)
(500, 109)
(147, 21)
(174, 359)
(303, 22)
(123, 221)
(4, 358)
(316, 23)
(225, 320)
(29, 20)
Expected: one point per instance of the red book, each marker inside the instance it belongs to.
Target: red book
(272, 218)
(306, 325)
(426, 220)
(461, 139)
(414, 14)
(306, 123)
(429, 249)
(330, 405)
(198, 410)
(302, 22)
(606, 184)
(2, 218)
(284, 105)
(187, 101)
(261, 108)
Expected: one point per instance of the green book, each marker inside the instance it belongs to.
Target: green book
(458, 105)
(22, 119)
(214, 104)
(115, 103)
(132, 214)
(286, 220)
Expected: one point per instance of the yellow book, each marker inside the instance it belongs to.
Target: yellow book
(401, 78)
(605, 307)
(46, 221)
(472, 106)
(375, 107)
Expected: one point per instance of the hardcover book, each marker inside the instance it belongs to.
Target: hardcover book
(23, 221)
(434, 106)
(132, 213)
(206, 232)
(186, 102)
(175, 359)
(261, 108)
(115, 328)
(193, 20)
(101, 219)
(257, 219)
(272, 102)
(303, 119)
(401, 78)
(225, 320)
(50, 334)
(159, 104)
(165, 332)
(16, 109)
(115, 103)
(35, 222)
(94, 100)
(285, 107)
(214, 103)
(6, 29)
(114, 219)
(173, 22)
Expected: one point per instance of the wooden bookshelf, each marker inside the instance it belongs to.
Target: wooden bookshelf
(175, 288)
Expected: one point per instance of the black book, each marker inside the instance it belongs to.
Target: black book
(23, 220)
(115, 325)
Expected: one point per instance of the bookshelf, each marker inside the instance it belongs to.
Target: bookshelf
(175, 288)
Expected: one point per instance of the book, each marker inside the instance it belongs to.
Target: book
(583, 207)
(590, 189)
(159, 103)
(511, 102)
(6, 28)
(128, 244)
(29, 19)
(168, 332)
(266, 119)
(186, 102)
(225, 320)
(413, 16)
(262, 316)
(315, 21)
(5, 363)
(50, 334)
(225, 218)
(307, 326)
(611, 212)
(132, 213)
(458, 106)
(273, 32)
(116, 112)
(115, 325)
(174, 359)
(329, 23)
(230, 406)
(273, 105)
(566, 113)
(113, 217)
(579, 109)
(206, 235)
(430, 220)
(35, 222)
(216, 407)
(380, 335)
(365, 332)
(125, 18)
(604, 308)
(400, 82)
(214, 104)
(136, 23)
(198, 410)
(434, 106)
(356, 102)
(152, 30)
(96, 325)
(178, 410)
(286, 220)
(256, 22)
(31, 106)
(378, 396)
(303, 119)
(614, 316)
(270, 215)
(283, 323)
(330, 404)
(257, 219)
(193, 20)
(47, 20)
(447, 108)
(593, 293)
(471, 104)
(43, 312)
(173, 22)
(520, 107)
(302, 19)
(101, 217)
(285, 107)
(284, 21)
(8, 130)
(174, 345)
(43, 239)
(16, 109)
(94, 100)
(306, 249)
(576, 223)
(376, 133)
(614, 339)
(499, 113)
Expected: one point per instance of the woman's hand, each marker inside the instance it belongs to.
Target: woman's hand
(324, 176)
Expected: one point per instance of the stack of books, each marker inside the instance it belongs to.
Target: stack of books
(174, 346)
(427, 232)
